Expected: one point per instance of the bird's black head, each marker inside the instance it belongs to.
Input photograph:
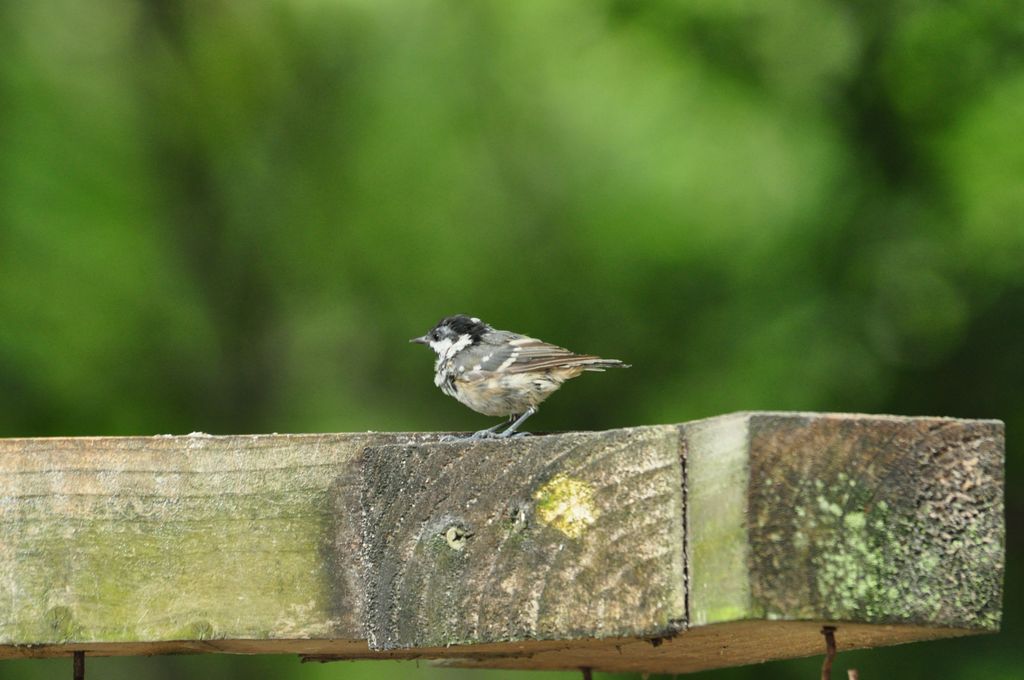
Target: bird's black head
(457, 330)
(460, 324)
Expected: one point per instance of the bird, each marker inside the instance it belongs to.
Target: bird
(501, 373)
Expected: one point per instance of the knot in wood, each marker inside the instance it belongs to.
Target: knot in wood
(455, 536)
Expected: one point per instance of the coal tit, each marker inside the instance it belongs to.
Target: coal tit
(500, 373)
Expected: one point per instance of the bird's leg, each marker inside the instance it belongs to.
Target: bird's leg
(489, 432)
(511, 431)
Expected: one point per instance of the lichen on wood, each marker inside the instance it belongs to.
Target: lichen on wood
(895, 520)
(571, 536)
(722, 541)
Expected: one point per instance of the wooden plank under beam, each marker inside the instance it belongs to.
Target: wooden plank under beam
(662, 549)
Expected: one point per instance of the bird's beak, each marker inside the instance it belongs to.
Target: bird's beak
(422, 340)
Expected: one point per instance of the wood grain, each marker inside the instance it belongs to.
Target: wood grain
(893, 520)
(177, 538)
(658, 549)
(839, 517)
(555, 538)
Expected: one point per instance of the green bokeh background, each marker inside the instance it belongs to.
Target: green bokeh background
(230, 216)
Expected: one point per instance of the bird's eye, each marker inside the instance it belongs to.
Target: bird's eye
(435, 336)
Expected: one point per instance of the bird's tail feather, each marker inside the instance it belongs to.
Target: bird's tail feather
(598, 364)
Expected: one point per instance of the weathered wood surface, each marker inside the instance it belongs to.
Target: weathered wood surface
(846, 518)
(661, 549)
(574, 536)
(176, 538)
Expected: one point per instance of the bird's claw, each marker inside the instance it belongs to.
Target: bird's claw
(512, 435)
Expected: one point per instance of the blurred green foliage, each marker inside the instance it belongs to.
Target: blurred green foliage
(230, 216)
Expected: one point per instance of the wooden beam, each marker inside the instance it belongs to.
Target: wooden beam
(573, 536)
(660, 549)
(849, 518)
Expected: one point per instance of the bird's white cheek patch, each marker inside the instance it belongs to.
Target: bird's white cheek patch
(441, 347)
(455, 347)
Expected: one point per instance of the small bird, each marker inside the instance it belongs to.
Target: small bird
(501, 373)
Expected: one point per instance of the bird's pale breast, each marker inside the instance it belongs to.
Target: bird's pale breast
(504, 394)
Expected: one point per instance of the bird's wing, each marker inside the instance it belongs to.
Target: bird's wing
(512, 353)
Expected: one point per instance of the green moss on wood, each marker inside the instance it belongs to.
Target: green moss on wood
(787, 516)
(170, 538)
(886, 520)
